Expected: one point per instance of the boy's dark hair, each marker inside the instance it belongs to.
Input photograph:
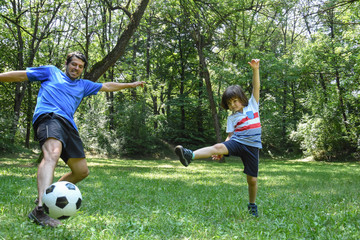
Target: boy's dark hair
(234, 91)
(79, 55)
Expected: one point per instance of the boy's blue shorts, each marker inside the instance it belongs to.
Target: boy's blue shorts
(249, 156)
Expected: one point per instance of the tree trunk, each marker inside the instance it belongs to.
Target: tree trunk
(200, 111)
(341, 102)
(110, 59)
(28, 116)
(20, 90)
(205, 73)
(110, 99)
(337, 75)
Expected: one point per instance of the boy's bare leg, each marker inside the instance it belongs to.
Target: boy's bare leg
(252, 184)
(217, 149)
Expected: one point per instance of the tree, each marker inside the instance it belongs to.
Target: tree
(109, 60)
(27, 43)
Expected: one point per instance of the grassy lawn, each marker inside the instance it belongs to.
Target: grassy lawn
(144, 199)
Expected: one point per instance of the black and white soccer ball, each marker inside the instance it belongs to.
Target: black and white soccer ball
(61, 200)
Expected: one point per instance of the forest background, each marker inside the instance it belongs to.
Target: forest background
(188, 52)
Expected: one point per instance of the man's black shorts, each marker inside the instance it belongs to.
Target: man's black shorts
(249, 156)
(51, 125)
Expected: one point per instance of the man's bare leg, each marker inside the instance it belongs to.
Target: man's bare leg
(52, 150)
(79, 170)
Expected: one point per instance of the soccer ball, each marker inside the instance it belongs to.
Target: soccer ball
(61, 200)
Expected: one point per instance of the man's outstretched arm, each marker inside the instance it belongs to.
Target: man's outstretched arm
(114, 86)
(13, 76)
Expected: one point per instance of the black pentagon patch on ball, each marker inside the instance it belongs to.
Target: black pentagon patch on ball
(78, 203)
(63, 217)
(50, 189)
(61, 202)
(70, 186)
(46, 209)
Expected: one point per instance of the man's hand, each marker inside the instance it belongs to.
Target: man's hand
(139, 83)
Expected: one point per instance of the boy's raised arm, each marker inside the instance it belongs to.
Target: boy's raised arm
(255, 65)
(13, 76)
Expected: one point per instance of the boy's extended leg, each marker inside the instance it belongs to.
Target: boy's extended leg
(206, 152)
(186, 155)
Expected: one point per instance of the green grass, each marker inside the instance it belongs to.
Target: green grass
(144, 199)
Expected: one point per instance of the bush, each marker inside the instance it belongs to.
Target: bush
(130, 133)
(324, 138)
(6, 136)
(134, 126)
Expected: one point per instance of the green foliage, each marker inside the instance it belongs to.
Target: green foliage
(6, 139)
(193, 133)
(92, 123)
(309, 62)
(324, 139)
(135, 131)
(146, 199)
(129, 134)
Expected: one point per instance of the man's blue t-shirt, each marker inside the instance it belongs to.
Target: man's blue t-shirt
(58, 93)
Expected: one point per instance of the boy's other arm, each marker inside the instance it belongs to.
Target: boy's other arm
(14, 76)
(219, 157)
(114, 86)
(229, 136)
(255, 65)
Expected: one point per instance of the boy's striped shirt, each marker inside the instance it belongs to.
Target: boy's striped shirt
(246, 125)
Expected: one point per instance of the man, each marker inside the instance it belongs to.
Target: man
(59, 96)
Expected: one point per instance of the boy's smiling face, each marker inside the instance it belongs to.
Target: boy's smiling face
(235, 105)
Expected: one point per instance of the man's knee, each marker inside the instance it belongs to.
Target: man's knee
(85, 173)
(81, 174)
(79, 168)
(52, 149)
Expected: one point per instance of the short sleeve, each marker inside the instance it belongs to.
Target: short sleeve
(230, 125)
(39, 73)
(91, 88)
(253, 103)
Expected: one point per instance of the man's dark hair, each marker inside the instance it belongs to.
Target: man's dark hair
(234, 91)
(79, 55)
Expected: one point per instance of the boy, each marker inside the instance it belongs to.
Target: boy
(244, 134)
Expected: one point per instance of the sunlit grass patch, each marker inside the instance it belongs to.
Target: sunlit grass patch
(161, 199)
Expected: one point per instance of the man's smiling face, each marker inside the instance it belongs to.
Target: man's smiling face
(75, 68)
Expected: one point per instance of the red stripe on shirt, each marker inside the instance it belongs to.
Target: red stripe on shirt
(251, 126)
(256, 115)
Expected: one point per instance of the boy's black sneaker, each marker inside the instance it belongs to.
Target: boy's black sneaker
(184, 154)
(252, 208)
(39, 217)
